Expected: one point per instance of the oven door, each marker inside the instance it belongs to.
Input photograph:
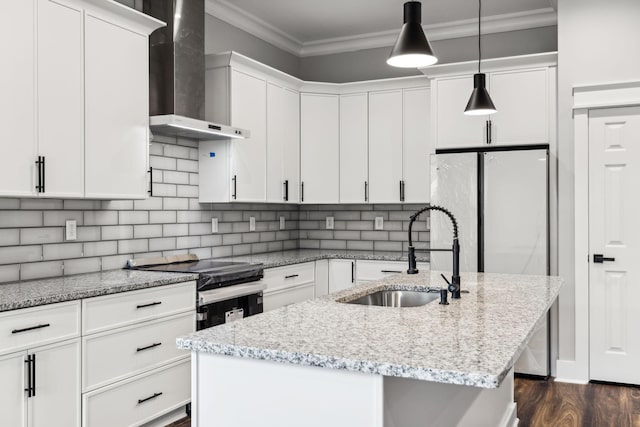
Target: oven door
(230, 303)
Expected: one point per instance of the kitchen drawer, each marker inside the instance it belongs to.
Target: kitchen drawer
(114, 311)
(32, 327)
(111, 356)
(281, 297)
(367, 271)
(132, 402)
(291, 275)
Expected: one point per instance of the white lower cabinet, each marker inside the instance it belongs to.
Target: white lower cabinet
(41, 375)
(341, 274)
(288, 285)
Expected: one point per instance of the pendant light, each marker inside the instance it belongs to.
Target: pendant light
(412, 49)
(480, 103)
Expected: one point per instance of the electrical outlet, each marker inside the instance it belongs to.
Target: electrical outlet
(71, 229)
(379, 223)
(329, 222)
(281, 223)
(252, 223)
(214, 225)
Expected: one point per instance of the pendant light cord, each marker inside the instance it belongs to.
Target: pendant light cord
(479, 38)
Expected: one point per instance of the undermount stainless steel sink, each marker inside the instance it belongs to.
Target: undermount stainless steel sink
(395, 298)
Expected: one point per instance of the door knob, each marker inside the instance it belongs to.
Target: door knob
(599, 258)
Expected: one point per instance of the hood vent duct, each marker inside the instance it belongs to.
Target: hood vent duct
(176, 73)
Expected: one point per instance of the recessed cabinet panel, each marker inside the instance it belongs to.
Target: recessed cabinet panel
(17, 102)
(385, 146)
(61, 98)
(291, 144)
(117, 110)
(452, 127)
(417, 145)
(13, 402)
(522, 100)
(320, 150)
(353, 148)
(248, 156)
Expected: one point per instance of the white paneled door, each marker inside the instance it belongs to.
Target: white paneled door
(614, 234)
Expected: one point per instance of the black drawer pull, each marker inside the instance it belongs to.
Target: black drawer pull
(391, 271)
(599, 258)
(291, 276)
(149, 305)
(44, 325)
(156, 344)
(149, 398)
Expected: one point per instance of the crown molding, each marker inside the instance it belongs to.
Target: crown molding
(235, 16)
(535, 60)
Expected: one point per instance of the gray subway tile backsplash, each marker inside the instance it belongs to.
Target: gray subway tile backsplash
(32, 241)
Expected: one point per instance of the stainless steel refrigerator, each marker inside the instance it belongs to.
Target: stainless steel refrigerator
(499, 195)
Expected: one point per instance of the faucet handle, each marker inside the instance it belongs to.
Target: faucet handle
(452, 288)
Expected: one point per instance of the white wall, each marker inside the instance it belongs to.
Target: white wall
(598, 42)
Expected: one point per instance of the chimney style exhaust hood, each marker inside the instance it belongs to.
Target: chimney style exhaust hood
(176, 73)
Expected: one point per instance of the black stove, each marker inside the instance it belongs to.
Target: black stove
(212, 274)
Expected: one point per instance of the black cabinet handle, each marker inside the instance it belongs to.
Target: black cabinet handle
(31, 328)
(486, 132)
(33, 376)
(402, 191)
(366, 191)
(30, 375)
(149, 305)
(149, 398)
(44, 175)
(391, 271)
(302, 191)
(353, 272)
(150, 191)
(39, 187)
(599, 258)
(157, 344)
(235, 187)
(286, 190)
(490, 132)
(291, 276)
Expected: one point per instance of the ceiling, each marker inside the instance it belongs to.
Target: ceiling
(308, 27)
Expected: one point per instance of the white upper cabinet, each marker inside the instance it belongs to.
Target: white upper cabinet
(416, 147)
(451, 127)
(354, 167)
(18, 145)
(283, 144)
(248, 156)
(75, 100)
(385, 147)
(523, 100)
(319, 148)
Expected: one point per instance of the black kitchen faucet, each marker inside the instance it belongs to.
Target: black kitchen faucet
(454, 284)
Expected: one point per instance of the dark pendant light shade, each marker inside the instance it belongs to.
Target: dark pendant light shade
(412, 49)
(480, 103)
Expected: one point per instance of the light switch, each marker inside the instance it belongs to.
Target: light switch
(329, 223)
(214, 225)
(379, 225)
(281, 223)
(71, 229)
(252, 223)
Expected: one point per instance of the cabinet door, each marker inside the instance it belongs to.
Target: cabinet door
(283, 144)
(354, 168)
(341, 274)
(248, 156)
(319, 148)
(417, 147)
(288, 296)
(452, 127)
(12, 393)
(385, 146)
(61, 98)
(522, 100)
(57, 385)
(116, 111)
(17, 103)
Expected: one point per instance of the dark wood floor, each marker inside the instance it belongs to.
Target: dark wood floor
(551, 404)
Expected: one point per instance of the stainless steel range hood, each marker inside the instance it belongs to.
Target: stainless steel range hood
(176, 73)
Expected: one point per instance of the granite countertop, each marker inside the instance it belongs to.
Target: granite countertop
(297, 256)
(473, 341)
(48, 291)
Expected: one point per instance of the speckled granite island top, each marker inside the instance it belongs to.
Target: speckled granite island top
(48, 291)
(473, 341)
(297, 256)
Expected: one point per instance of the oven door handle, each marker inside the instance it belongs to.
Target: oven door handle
(230, 292)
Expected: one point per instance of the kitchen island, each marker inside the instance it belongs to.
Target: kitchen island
(325, 362)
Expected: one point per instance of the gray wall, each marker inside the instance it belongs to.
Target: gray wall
(370, 64)
(598, 42)
(222, 37)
